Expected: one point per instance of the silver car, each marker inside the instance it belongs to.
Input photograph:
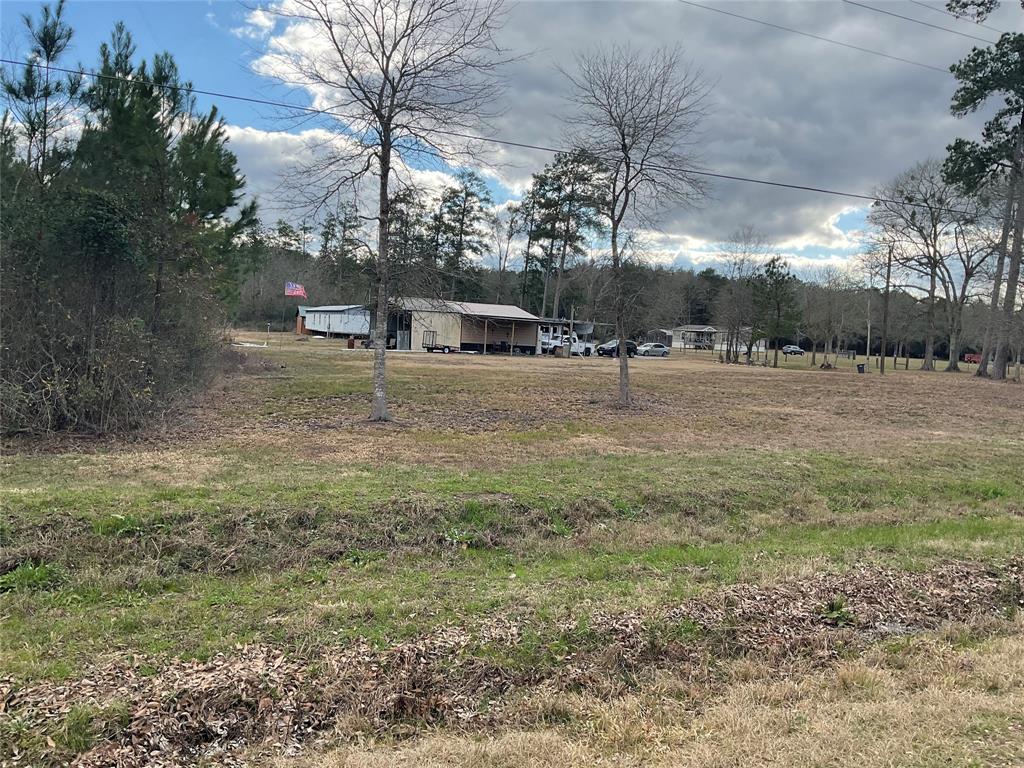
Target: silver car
(652, 349)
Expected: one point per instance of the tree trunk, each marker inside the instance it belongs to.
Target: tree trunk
(460, 245)
(867, 345)
(997, 283)
(501, 283)
(556, 304)
(526, 262)
(620, 321)
(379, 409)
(885, 314)
(929, 339)
(953, 365)
(547, 278)
(1002, 345)
(158, 292)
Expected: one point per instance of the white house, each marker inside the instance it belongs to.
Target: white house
(336, 320)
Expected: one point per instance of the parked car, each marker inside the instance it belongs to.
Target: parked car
(792, 349)
(611, 348)
(653, 349)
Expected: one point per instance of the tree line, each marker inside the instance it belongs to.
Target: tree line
(751, 295)
(121, 234)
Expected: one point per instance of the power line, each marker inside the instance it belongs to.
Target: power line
(918, 21)
(954, 16)
(710, 174)
(466, 136)
(814, 36)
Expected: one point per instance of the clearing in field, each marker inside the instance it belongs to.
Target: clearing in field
(790, 566)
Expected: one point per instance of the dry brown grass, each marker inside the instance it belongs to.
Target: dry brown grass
(566, 408)
(311, 401)
(925, 703)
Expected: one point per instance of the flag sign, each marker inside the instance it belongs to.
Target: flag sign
(294, 289)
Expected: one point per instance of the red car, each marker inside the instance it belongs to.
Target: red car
(972, 357)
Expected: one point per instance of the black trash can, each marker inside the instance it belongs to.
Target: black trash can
(860, 367)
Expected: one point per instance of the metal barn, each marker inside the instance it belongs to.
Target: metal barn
(462, 326)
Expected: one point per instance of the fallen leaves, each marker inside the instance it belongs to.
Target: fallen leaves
(190, 711)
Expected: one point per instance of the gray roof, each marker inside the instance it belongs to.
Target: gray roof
(498, 311)
(334, 308)
(473, 309)
(705, 328)
(328, 308)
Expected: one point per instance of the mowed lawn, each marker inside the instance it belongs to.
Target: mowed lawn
(511, 494)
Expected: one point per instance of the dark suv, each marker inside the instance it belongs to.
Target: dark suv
(611, 348)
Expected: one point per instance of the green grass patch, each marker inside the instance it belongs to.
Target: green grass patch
(29, 577)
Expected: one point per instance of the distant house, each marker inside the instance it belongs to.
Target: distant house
(694, 337)
(710, 337)
(435, 325)
(351, 321)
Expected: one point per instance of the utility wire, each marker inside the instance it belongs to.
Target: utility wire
(813, 36)
(918, 21)
(954, 16)
(467, 136)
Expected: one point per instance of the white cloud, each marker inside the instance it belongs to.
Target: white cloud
(784, 108)
(258, 25)
(269, 160)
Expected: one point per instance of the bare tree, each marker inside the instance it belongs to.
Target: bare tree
(877, 262)
(505, 226)
(828, 311)
(918, 211)
(970, 250)
(743, 255)
(399, 76)
(637, 115)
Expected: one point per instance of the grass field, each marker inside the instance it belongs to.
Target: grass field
(815, 566)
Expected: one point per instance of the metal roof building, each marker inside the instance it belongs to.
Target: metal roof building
(463, 326)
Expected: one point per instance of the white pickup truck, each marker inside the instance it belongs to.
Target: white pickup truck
(554, 345)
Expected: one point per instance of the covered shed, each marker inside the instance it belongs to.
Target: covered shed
(463, 326)
(659, 336)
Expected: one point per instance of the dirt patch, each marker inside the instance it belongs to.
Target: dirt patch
(180, 713)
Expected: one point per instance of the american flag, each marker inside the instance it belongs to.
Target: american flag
(294, 289)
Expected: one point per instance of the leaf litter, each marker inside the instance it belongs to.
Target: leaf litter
(259, 699)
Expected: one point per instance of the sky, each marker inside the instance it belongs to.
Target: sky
(783, 107)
